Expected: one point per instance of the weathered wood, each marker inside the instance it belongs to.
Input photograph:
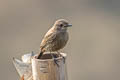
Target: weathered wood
(22, 78)
(24, 67)
(46, 68)
(43, 69)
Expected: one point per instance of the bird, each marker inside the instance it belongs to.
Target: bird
(56, 38)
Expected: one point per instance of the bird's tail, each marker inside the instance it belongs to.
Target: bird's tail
(40, 55)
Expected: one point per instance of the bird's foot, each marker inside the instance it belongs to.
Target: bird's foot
(61, 56)
(56, 62)
(63, 59)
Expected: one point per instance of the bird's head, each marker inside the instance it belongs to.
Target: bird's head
(61, 25)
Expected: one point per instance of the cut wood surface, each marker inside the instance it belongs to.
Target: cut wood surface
(47, 69)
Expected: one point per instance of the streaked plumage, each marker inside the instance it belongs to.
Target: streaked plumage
(56, 38)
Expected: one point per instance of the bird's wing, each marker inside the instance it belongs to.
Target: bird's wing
(48, 39)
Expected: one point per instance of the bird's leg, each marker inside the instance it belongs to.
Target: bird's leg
(61, 56)
(54, 59)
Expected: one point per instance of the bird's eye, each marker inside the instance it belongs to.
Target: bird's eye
(61, 25)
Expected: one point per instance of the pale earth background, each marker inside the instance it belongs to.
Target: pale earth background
(94, 45)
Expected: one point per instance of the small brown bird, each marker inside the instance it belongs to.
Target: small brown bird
(56, 38)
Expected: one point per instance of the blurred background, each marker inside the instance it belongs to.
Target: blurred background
(94, 45)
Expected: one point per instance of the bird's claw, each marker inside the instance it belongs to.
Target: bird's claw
(56, 62)
(63, 59)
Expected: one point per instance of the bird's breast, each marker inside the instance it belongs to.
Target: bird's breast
(61, 40)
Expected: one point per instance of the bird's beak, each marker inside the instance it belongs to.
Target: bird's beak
(69, 25)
